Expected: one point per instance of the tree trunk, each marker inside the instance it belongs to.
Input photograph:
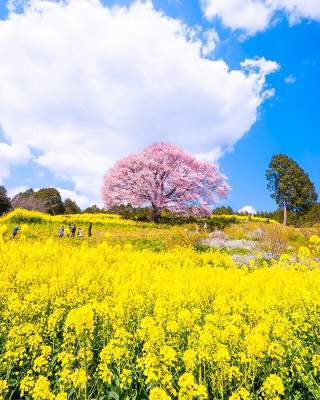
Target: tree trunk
(285, 215)
(156, 214)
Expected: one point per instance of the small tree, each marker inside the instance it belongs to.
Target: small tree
(164, 177)
(22, 200)
(223, 211)
(290, 186)
(71, 207)
(46, 200)
(5, 204)
(93, 210)
(51, 199)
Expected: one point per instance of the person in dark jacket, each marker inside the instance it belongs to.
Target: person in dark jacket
(15, 231)
(89, 229)
(73, 230)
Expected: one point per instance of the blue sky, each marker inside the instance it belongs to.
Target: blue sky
(288, 122)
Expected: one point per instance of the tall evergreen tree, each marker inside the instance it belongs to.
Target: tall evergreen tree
(5, 204)
(290, 186)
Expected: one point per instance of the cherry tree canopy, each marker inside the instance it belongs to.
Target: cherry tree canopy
(165, 177)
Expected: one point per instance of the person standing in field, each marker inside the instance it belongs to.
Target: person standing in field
(73, 230)
(15, 231)
(89, 229)
(61, 231)
(80, 232)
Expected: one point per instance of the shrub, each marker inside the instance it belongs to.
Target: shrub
(275, 239)
(22, 216)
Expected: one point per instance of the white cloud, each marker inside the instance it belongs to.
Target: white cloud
(290, 80)
(16, 190)
(211, 156)
(84, 84)
(254, 16)
(81, 200)
(248, 210)
(11, 155)
(211, 39)
(260, 66)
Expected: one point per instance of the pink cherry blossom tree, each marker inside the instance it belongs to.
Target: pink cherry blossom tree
(165, 177)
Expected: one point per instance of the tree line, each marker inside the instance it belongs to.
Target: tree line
(163, 179)
(293, 191)
(47, 200)
(164, 184)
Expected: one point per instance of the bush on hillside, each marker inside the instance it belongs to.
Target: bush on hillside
(312, 217)
(22, 216)
(71, 207)
(275, 239)
(223, 211)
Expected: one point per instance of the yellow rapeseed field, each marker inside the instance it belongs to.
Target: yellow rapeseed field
(91, 319)
(243, 218)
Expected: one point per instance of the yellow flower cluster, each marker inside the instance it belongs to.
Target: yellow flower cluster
(243, 218)
(107, 321)
(21, 215)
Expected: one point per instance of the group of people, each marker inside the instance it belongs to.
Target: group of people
(73, 231)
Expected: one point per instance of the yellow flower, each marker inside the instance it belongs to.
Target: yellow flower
(172, 326)
(61, 396)
(256, 344)
(41, 390)
(26, 385)
(304, 252)
(189, 359)
(276, 351)
(240, 394)
(272, 387)
(189, 389)
(79, 378)
(125, 378)
(168, 355)
(81, 320)
(222, 354)
(315, 240)
(105, 374)
(65, 358)
(3, 388)
(316, 364)
(158, 394)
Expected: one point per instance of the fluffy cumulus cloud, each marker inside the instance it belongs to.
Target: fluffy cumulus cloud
(16, 190)
(81, 200)
(253, 16)
(83, 84)
(11, 155)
